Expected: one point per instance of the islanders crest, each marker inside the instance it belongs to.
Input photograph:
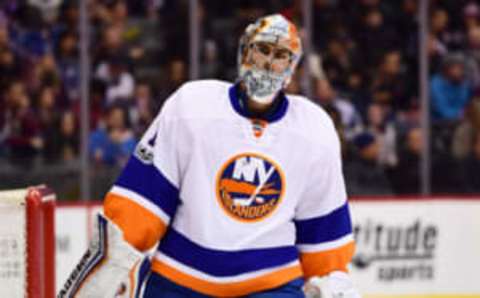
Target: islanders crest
(250, 187)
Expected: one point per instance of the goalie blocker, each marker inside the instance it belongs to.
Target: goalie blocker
(109, 268)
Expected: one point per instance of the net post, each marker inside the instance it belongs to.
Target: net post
(34, 249)
(40, 221)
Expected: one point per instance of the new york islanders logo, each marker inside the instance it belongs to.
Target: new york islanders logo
(250, 187)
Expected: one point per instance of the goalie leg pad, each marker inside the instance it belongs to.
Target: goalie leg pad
(109, 268)
(138, 276)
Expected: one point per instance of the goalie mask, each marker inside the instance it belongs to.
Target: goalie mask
(268, 53)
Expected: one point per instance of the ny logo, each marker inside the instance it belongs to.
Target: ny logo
(247, 167)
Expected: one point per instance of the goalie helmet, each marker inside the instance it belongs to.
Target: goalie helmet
(268, 34)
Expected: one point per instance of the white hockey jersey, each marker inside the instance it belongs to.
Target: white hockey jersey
(241, 205)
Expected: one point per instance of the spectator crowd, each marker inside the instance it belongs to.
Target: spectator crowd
(363, 71)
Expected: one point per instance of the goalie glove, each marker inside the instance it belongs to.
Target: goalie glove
(334, 285)
(110, 268)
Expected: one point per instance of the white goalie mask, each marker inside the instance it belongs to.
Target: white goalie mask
(268, 54)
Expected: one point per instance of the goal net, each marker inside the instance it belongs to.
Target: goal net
(27, 243)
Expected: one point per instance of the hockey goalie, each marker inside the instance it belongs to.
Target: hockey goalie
(238, 189)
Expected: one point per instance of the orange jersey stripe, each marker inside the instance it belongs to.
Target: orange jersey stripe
(141, 228)
(324, 262)
(234, 289)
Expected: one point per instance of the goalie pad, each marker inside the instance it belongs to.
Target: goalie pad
(110, 268)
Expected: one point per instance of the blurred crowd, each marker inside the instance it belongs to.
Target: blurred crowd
(363, 69)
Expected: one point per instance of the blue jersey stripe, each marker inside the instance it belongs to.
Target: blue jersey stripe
(238, 103)
(325, 228)
(149, 182)
(223, 263)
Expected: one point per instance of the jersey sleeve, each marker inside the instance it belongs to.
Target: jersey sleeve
(322, 219)
(145, 196)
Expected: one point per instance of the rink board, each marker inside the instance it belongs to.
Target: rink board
(417, 248)
(412, 248)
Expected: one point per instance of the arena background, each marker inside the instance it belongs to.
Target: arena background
(81, 80)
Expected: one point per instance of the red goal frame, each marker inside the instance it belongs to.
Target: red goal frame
(40, 225)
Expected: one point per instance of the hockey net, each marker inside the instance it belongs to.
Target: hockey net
(27, 243)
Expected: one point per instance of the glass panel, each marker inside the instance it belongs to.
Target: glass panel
(39, 85)
(363, 71)
(140, 52)
(368, 84)
(454, 41)
(136, 62)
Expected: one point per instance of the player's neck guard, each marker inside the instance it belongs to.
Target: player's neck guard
(276, 111)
